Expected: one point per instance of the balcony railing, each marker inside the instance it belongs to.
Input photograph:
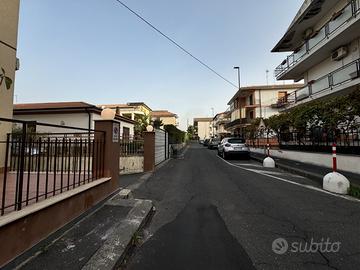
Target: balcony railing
(327, 30)
(236, 114)
(340, 76)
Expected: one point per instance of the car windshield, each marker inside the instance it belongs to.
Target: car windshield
(236, 141)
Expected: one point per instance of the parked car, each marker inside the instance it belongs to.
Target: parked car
(233, 147)
(213, 143)
(201, 141)
(206, 142)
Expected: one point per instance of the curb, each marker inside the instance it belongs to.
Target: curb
(116, 248)
(313, 176)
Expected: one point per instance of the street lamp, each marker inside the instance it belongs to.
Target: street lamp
(238, 69)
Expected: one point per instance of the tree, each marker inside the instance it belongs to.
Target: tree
(191, 131)
(175, 135)
(142, 121)
(158, 123)
(4, 78)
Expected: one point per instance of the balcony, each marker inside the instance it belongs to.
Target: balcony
(335, 33)
(235, 115)
(340, 79)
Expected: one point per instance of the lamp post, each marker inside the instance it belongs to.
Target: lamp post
(238, 69)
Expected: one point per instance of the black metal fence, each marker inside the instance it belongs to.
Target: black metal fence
(35, 166)
(131, 146)
(318, 140)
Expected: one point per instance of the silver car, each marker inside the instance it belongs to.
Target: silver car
(233, 147)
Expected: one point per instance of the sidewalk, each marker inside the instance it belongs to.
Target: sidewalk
(313, 172)
(99, 240)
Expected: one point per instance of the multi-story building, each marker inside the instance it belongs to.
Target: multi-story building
(167, 118)
(131, 110)
(324, 41)
(9, 17)
(220, 121)
(203, 127)
(255, 102)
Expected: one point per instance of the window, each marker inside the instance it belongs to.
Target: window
(126, 132)
(252, 115)
(251, 100)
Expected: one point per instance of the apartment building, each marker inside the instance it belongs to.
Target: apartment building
(132, 110)
(220, 121)
(167, 118)
(256, 102)
(203, 127)
(9, 18)
(74, 114)
(324, 42)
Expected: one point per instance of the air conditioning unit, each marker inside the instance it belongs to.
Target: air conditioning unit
(339, 54)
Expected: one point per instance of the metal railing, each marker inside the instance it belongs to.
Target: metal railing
(319, 140)
(340, 76)
(346, 14)
(35, 166)
(131, 146)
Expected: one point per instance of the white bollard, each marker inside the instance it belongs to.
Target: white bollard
(336, 183)
(269, 163)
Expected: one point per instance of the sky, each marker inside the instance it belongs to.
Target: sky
(98, 52)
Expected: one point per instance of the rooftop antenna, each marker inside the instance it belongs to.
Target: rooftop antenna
(267, 77)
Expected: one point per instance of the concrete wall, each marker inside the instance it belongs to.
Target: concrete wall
(9, 16)
(21, 230)
(347, 163)
(129, 165)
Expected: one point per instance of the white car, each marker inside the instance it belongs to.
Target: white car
(233, 147)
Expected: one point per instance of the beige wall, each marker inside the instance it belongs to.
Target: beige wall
(204, 130)
(9, 16)
(169, 120)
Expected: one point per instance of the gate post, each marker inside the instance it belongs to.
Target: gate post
(149, 151)
(111, 154)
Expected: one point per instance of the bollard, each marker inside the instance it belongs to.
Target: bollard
(268, 161)
(334, 181)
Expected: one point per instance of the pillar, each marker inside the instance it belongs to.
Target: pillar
(149, 151)
(111, 133)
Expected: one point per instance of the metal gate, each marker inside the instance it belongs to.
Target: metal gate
(161, 146)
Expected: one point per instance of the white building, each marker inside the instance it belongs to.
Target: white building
(324, 41)
(220, 121)
(74, 114)
(253, 102)
(203, 128)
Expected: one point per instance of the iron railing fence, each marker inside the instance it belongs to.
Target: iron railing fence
(348, 13)
(131, 146)
(35, 166)
(318, 140)
(340, 76)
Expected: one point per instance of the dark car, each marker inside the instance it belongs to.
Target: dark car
(213, 143)
(206, 142)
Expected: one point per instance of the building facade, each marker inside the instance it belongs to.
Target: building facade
(324, 42)
(254, 102)
(167, 118)
(203, 128)
(132, 110)
(9, 19)
(220, 121)
(74, 114)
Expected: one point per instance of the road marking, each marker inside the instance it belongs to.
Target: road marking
(248, 164)
(293, 183)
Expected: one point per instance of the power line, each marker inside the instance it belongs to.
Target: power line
(176, 44)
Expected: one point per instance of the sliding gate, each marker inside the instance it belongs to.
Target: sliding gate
(161, 146)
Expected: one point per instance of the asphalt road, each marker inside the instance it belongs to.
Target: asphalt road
(213, 214)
